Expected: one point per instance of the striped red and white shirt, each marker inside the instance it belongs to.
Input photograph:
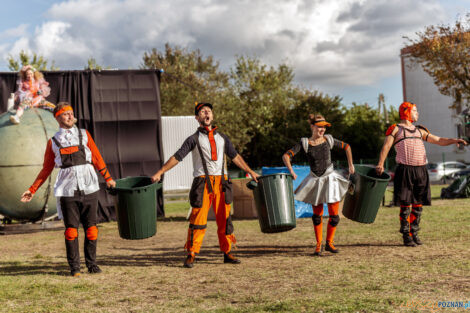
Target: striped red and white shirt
(410, 147)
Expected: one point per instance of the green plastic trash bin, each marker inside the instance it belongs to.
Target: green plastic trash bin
(274, 199)
(362, 203)
(136, 203)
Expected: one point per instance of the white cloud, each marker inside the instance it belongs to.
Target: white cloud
(328, 42)
(17, 31)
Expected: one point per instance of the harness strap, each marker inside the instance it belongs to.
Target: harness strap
(57, 142)
(204, 165)
(329, 140)
(403, 129)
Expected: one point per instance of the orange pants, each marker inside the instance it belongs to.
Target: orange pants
(198, 219)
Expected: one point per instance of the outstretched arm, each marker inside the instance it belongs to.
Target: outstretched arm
(165, 168)
(47, 168)
(98, 161)
(238, 160)
(441, 141)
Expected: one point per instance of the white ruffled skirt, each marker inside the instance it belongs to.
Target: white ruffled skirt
(331, 187)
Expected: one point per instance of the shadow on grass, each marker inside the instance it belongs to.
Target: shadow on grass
(174, 257)
(14, 269)
(171, 257)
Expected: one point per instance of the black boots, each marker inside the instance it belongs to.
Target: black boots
(189, 262)
(228, 258)
(408, 241)
(330, 247)
(94, 269)
(416, 239)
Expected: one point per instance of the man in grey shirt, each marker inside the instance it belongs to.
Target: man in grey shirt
(210, 185)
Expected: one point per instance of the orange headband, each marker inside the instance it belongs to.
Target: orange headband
(65, 108)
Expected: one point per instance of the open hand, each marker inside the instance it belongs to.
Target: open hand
(26, 196)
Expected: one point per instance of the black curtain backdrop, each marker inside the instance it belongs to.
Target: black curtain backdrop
(121, 110)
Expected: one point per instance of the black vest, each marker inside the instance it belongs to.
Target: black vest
(73, 155)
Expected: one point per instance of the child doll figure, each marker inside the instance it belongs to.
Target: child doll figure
(32, 92)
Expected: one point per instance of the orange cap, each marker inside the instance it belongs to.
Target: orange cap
(321, 123)
(405, 111)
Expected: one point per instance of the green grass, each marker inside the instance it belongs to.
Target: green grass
(372, 273)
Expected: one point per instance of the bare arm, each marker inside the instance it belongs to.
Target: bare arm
(443, 141)
(350, 160)
(383, 154)
(286, 160)
(238, 160)
(165, 168)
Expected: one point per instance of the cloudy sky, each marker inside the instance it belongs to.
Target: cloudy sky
(340, 47)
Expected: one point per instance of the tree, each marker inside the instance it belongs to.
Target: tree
(444, 53)
(288, 127)
(364, 130)
(187, 77)
(256, 96)
(93, 65)
(35, 60)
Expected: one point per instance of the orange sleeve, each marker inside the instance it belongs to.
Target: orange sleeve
(390, 130)
(97, 159)
(47, 168)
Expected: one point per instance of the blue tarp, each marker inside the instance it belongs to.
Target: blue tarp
(302, 209)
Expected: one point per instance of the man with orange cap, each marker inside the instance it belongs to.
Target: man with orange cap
(411, 183)
(76, 188)
(210, 185)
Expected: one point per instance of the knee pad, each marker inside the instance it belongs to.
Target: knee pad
(316, 219)
(92, 233)
(71, 233)
(334, 220)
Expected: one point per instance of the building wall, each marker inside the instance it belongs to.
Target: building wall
(434, 111)
(175, 129)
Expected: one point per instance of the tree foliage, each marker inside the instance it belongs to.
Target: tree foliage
(92, 64)
(444, 53)
(259, 107)
(35, 60)
(255, 97)
(187, 77)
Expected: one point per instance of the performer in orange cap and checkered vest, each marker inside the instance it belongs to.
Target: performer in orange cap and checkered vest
(411, 182)
(75, 153)
(210, 185)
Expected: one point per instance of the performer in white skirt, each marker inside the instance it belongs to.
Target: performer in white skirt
(323, 184)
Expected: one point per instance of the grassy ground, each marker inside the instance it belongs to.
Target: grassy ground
(372, 273)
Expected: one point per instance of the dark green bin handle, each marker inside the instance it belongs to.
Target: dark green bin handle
(252, 185)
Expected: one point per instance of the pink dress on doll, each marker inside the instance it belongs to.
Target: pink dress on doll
(33, 93)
